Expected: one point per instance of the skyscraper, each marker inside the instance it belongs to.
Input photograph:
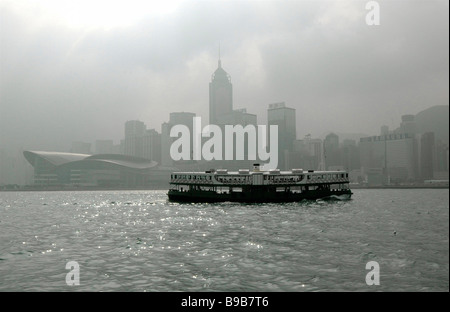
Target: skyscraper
(427, 155)
(283, 117)
(134, 132)
(151, 142)
(176, 118)
(408, 124)
(220, 95)
(331, 152)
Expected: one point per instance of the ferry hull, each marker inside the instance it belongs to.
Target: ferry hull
(258, 197)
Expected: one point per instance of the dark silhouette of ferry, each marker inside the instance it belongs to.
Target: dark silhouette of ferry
(258, 186)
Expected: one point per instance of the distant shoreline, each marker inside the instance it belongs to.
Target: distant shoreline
(401, 187)
(83, 189)
(75, 189)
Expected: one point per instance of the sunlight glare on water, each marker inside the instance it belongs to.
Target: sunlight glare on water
(139, 241)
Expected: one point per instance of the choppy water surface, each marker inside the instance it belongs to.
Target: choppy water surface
(138, 241)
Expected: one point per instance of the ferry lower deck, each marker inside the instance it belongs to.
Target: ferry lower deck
(256, 195)
(258, 186)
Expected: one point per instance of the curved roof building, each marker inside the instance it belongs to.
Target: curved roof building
(51, 159)
(102, 170)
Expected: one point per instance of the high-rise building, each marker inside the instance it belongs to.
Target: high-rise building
(140, 142)
(350, 155)
(408, 124)
(308, 154)
(283, 117)
(394, 156)
(221, 113)
(151, 142)
(166, 141)
(331, 151)
(239, 117)
(441, 165)
(427, 156)
(220, 96)
(134, 128)
(176, 118)
(134, 133)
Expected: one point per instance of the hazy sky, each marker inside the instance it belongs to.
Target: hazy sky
(78, 70)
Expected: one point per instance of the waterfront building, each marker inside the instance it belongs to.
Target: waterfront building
(394, 156)
(56, 169)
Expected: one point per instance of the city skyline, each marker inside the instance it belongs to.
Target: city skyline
(79, 83)
(420, 149)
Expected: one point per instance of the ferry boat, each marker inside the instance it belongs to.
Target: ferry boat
(258, 186)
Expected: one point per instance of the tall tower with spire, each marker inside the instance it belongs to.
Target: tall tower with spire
(220, 95)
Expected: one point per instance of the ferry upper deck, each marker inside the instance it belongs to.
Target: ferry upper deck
(259, 177)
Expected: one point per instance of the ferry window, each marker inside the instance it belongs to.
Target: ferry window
(309, 177)
(346, 175)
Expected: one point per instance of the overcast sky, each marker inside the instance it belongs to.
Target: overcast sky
(78, 70)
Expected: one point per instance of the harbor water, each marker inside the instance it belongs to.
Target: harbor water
(139, 241)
